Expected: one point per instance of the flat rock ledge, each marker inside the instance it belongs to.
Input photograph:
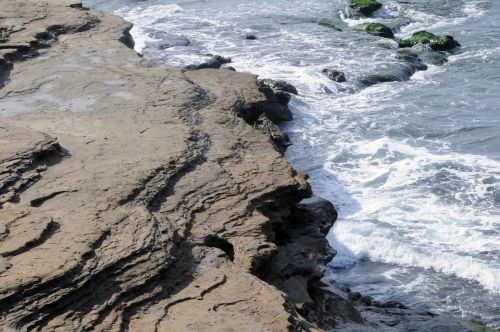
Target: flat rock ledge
(133, 197)
(137, 197)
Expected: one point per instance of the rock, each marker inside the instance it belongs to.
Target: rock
(278, 97)
(378, 29)
(250, 36)
(280, 85)
(167, 40)
(366, 7)
(215, 62)
(334, 75)
(354, 296)
(412, 58)
(435, 42)
(422, 53)
(4, 34)
(329, 24)
(138, 198)
(397, 72)
(366, 300)
(277, 112)
(391, 304)
(303, 251)
(279, 139)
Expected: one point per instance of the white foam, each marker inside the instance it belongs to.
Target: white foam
(145, 16)
(400, 222)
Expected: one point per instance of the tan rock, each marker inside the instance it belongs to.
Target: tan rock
(131, 195)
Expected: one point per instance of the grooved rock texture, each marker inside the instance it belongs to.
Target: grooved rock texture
(132, 197)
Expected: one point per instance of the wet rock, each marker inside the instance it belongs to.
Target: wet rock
(278, 94)
(365, 7)
(435, 42)
(279, 85)
(277, 112)
(279, 139)
(366, 300)
(390, 304)
(303, 251)
(250, 36)
(396, 73)
(412, 58)
(167, 40)
(424, 54)
(329, 24)
(215, 62)
(378, 29)
(334, 75)
(354, 296)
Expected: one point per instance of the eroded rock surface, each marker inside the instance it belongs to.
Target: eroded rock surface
(136, 197)
(133, 197)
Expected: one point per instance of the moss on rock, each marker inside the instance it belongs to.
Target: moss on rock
(328, 24)
(366, 7)
(435, 42)
(378, 29)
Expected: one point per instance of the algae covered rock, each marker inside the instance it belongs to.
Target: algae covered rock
(328, 24)
(366, 7)
(435, 42)
(378, 29)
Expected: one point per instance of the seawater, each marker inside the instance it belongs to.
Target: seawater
(413, 166)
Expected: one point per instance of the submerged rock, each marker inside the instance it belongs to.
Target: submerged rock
(215, 62)
(334, 75)
(366, 7)
(378, 29)
(167, 40)
(423, 53)
(250, 36)
(412, 58)
(329, 24)
(400, 72)
(435, 42)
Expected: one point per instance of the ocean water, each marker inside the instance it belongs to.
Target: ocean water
(413, 165)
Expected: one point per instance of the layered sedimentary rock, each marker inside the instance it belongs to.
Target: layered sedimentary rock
(133, 197)
(137, 197)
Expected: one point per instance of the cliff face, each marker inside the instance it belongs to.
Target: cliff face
(132, 197)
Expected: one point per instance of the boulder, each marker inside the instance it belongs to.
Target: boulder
(435, 42)
(396, 73)
(366, 7)
(215, 62)
(329, 24)
(423, 53)
(166, 40)
(250, 36)
(378, 29)
(334, 75)
(277, 112)
(279, 139)
(278, 94)
(412, 58)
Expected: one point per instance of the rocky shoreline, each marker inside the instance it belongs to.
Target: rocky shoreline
(138, 197)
